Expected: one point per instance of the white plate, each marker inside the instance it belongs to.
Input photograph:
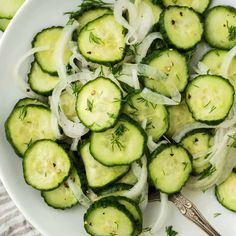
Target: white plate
(34, 16)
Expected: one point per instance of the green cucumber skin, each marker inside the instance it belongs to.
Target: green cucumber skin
(97, 189)
(126, 118)
(116, 187)
(66, 177)
(138, 223)
(231, 9)
(159, 150)
(211, 122)
(8, 135)
(117, 118)
(104, 204)
(105, 63)
(35, 38)
(165, 36)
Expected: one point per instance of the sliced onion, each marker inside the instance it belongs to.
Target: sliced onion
(126, 79)
(60, 48)
(70, 128)
(74, 144)
(152, 145)
(24, 86)
(80, 196)
(162, 216)
(202, 69)
(119, 7)
(157, 98)
(144, 199)
(142, 49)
(139, 187)
(136, 84)
(227, 61)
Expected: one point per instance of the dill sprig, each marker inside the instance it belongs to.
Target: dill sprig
(95, 39)
(206, 173)
(90, 105)
(115, 140)
(231, 31)
(170, 231)
(23, 113)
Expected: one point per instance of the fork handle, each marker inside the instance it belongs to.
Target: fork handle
(189, 210)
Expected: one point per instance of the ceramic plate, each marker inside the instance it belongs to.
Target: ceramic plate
(32, 18)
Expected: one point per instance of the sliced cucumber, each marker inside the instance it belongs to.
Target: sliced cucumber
(226, 192)
(97, 174)
(130, 178)
(45, 165)
(156, 115)
(26, 124)
(9, 8)
(62, 197)
(46, 59)
(40, 81)
(99, 103)
(181, 27)
(102, 40)
(90, 15)
(198, 5)
(29, 101)
(132, 207)
(198, 142)
(120, 145)
(105, 218)
(116, 189)
(170, 168)
(4, 23)
(220, 27)
(210, 98)
(179, 117)
(174, 65)
(214, 60)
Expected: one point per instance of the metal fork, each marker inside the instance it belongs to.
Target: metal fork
(187, 209)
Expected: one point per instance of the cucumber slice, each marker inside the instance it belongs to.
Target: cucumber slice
(220, 27)
(46, 60)
(116, 189)
(120, 145)
(99, 103)
(90, 15)
(97, 174)
(170, 168)
(40, 81)
(27, 124)
(140, 109)
(210, 98)
(197, 142)
(214, 60)
(46, 165)
(29, 101)
(226, 192)
(130, 178)
(174, 65)
(3, 24)
(9, 8)
(181, 27)
(198, 5)
(102, 41)
(62, 197)
(179, 116)
(105, 218)
(132, 207)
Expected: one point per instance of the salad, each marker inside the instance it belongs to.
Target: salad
(129, 96)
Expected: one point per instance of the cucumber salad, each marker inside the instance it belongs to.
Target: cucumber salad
(128, 96)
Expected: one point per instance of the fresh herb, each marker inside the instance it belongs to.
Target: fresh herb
(90, 104)
(231, 31)
(70, 21)
(147, 103)
(206, 173)
(75, 88)
(175, 1)
(212, 109)
(185, 164)
(115, 141)
(111, 115)
(207, 104)
(170, 231)
(116, 70)
(217, 214)
(88, 4)
(150, 125)
(101, 73)
(95, 39)
(29, 143)
(23, 113)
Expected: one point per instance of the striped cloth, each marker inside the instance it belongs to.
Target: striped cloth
(12, 222)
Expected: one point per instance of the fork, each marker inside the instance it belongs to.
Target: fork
(187, 209)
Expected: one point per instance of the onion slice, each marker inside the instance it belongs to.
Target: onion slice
(24, 86)
(227, 61)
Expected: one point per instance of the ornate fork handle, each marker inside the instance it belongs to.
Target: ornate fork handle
(189, 210)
